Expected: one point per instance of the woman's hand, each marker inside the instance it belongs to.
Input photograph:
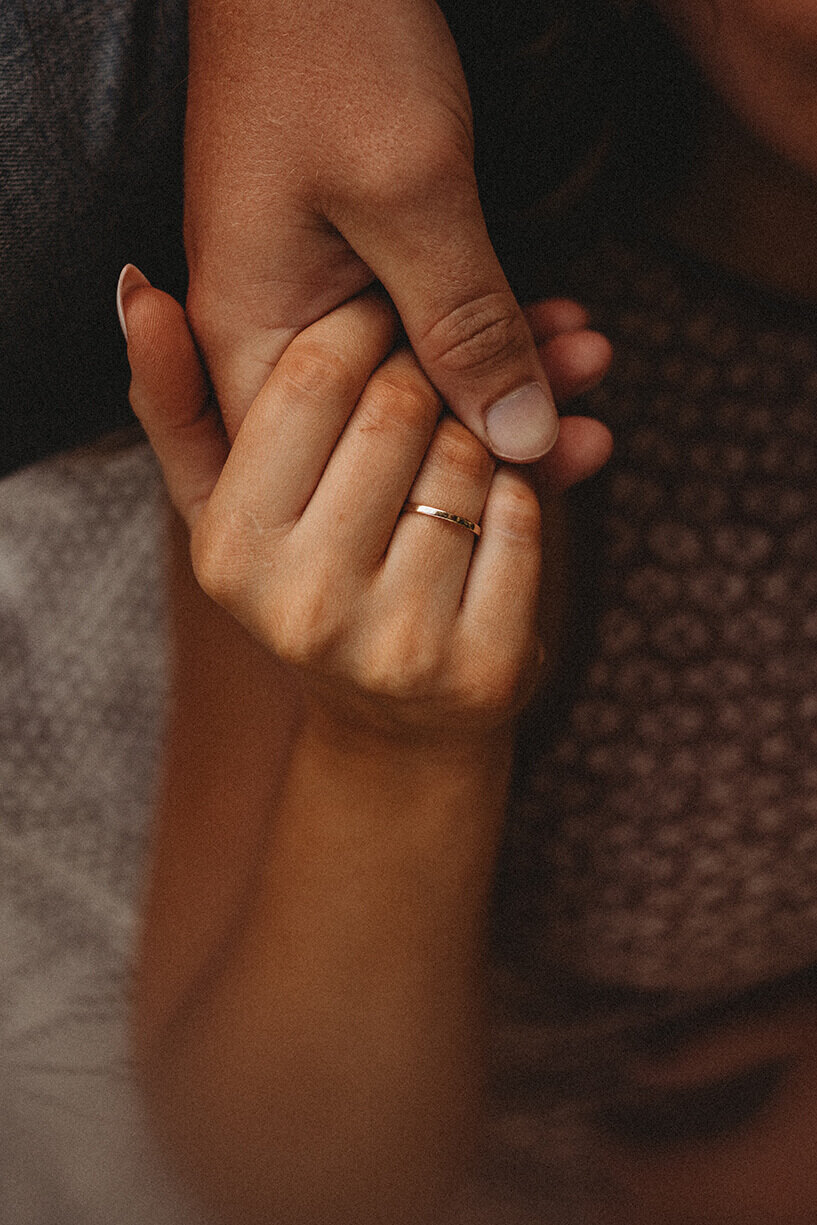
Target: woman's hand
(309, 991)
(397, 623)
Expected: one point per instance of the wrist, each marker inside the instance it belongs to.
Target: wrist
(455, 749)
(412, 793)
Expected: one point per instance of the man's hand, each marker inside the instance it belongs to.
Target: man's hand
(329, 144)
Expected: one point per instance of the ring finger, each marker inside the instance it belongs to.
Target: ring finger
(430, 556)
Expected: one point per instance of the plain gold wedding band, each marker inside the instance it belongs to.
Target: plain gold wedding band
(434, 512)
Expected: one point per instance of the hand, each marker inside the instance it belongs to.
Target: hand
(329, 144)
(395, 622)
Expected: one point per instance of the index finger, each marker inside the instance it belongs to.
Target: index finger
(286, 440)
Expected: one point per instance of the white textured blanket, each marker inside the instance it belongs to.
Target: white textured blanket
(81, 697)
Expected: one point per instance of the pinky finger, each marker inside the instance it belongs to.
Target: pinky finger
(169, 395)
(554, 316)
(575, 362)
(583, 447)
(500, 601)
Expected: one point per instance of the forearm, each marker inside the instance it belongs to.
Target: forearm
(322, 1064)
(328, 1069)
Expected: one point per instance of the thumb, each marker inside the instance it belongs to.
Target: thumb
(168, 393)
(434, 257)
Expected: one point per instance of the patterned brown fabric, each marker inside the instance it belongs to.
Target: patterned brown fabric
(672, 818)
(661, 848)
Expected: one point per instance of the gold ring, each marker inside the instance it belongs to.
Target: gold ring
(434, 512)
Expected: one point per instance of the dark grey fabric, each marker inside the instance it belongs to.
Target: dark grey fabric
(92, 96)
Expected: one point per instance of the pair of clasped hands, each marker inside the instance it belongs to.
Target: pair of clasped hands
(329, 202)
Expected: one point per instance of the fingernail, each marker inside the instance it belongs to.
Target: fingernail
(130, 278)
(523, 425)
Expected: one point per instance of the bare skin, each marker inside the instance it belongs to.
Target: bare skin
(329, 144)
(757, 1169)
(751, 204)
(336, 779)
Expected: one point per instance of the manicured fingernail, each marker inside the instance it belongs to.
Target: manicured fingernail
(523, 425)
(130, 278)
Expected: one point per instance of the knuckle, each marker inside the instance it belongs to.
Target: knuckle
(207, 316)
(491, 693)
(307, 625)
(517, 512)
(406, 173)
(485, 332)
(399, 401)
(308, 370)
(198, 307)
(454, 449)
(403, 665)
(213, 557)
